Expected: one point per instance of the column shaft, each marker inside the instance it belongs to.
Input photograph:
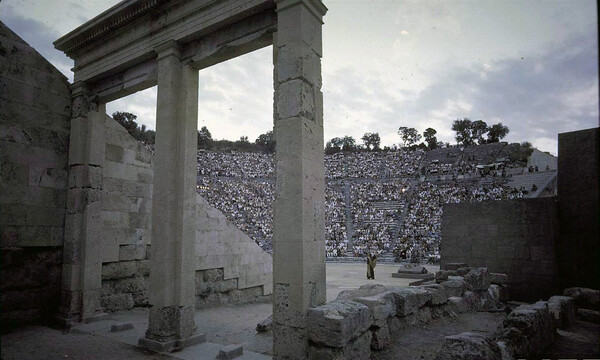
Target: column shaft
(174, 201)
(82, 265)
(299, 216)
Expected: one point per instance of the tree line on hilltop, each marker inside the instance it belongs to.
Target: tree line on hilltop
(467, 133)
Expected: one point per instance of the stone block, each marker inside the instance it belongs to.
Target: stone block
(358, 348)
(409, 300)
(498, 279)
(212, 275)
(584, 297)
(118, 270)
(458, 305)
(114, 153)
(454, 266)
(382, 306)
(363, 291)
(471, 300)
(468, 346)
(438, 294)
(230, 351)
(132, 252)
(462, 271)
(592, 316)
(116, 302)
(478, 279)
(455, 287)
(336, 323)
(562, 309)
(295, 99)
(265, 325)
(380, 338)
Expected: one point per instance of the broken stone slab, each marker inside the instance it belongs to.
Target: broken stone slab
(265, 325)
(498, 279)
(455, 286)
(335, 323)
(584, 297)
(589, 315)
(562, 309)
(478, 279)
(358, 348)
(528, 330)
(230, 351)
(382, 306)
(468, 346)
(471, 300)
(422, 282)
(409, 299)
(121, 327)
(454, 266)
(364, 290)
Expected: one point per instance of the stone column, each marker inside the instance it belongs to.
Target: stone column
(172, 289)
(299, 216)
(82, 264)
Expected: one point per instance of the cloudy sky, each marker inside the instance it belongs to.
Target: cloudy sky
(530, 64)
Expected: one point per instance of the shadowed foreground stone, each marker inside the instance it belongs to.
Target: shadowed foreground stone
(336, 323)
(468, 346)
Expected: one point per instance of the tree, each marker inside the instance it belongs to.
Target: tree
(478, 129)
(409, 136)
(127, 120)
(371, 139)
(266, 142)
(334, 145)
(430, 139)
(463, 131)
(348, 143)
(244, 139)
(205, 140)
(497, 132)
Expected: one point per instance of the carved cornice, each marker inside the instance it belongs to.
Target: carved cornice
(119, 15)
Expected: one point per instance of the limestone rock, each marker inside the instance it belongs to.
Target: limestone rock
(381, 305)
(588, 315)
(116, 302)
(584, 297)
(468, 346)
(498, 279)
(562, 309)
(265, 325)
(463, 271)
(359, 349)
(455, 287)
(118, 270)
(479, 279)
(438, 294)
(380, 338)
(454, 266)
(336, 323)
(458, 304)
(409, 300)
(364, 290)
(471, 300)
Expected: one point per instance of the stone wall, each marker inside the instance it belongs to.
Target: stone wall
(35, 109)
(231, 267)
(126, 219)
(366, 319)
(578, 248)
(515, 237)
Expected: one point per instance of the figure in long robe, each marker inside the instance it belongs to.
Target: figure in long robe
(371, 262)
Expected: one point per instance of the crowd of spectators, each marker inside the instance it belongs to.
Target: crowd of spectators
(390, 207)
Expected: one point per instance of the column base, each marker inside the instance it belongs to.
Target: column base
(172, 345)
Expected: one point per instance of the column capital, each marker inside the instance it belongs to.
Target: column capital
(168, 48)
(316, 7)
(79, 88)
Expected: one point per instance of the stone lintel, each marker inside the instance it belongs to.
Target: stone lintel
(316, 7)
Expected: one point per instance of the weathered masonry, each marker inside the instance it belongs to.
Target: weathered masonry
(142, 43)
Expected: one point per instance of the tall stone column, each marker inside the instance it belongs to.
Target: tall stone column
(82, 265)
(299, 215)
(171, 320)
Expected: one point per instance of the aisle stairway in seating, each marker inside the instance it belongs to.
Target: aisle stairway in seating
(541, 179)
